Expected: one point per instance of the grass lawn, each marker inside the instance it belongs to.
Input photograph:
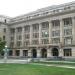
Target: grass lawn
(29, 69)
(58, 63)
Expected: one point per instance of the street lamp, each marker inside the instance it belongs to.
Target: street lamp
(5, 53)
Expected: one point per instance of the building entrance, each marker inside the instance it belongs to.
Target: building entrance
(55, 52)
(34, 53)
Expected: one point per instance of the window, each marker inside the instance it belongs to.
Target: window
(19, 29)
(56, 33)
(45, 34)
(27, 36)
(55, 23)
(68, 41)
(17, 52)
(19, 37)
(12, 30)
(27, 29)
(10, 53)
(12, 38)
(11, 44)
(26, 43)
(4, 30)
(19, 43)
(45, 41)
(67, 31)
(67, 22)
(5, 20)
(3, 37)
(35, 35)
(56, 40)
(25, 53)
(45, 25)
(68, 52)
(35, 27)
(35, 42)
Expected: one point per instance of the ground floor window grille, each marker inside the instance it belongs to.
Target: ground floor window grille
(67, 52)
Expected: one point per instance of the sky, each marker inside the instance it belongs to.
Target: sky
(13, 8)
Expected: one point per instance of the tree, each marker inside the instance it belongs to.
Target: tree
(2, 45)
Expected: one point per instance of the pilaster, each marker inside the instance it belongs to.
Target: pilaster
(61, 32)
(31, 34)
(22, 36)
(38, 53)
(49, 53)
(73, 30)
(29, 53)
(40, 28)
(50, 32)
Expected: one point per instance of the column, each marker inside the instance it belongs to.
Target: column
(49, 52)
(13, 52)
(15, 39)
(73, 30)
(61, 32)
(31, 34)
(61, 52)
(40, 28)
(7, 36)
(50, 33)
(22, 36)
(29, 53)
(73, 51)
(61, 38)
(38, 53)
(21, 52)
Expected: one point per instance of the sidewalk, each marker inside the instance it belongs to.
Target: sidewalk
(64, 66)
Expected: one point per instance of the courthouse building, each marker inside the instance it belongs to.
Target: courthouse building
(44, 33)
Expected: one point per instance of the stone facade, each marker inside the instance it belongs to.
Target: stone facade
(44, 33)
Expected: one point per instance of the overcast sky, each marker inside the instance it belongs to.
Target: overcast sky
(13, 8)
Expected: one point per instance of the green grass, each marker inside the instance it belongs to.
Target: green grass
(29, 69)
(57, 63)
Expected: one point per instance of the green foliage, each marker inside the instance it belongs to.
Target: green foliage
(2, 45)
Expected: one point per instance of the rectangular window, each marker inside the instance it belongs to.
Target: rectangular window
(35, 27)
(45, 34)
(67, 31)
(19, 29)
(3, 37)
(55, 23)
(56, 33)
(19, 43)
(12, 38)
(27, 36)
(45, 25)
(19, 37)
(12, 30)
(35, 35)
(67, 21)
(35, 42)
(4, 30)
(17, 52)
(27, 29)
(67, 52)
(56, 40)
(26, 43)
(11, 44)
(68, 41)
(25, 53)
(45, 41)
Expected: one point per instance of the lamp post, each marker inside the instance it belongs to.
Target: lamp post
(5, 53)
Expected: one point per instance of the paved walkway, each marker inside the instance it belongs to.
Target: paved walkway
(60, 61)
(24, 61)
(63, 66)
